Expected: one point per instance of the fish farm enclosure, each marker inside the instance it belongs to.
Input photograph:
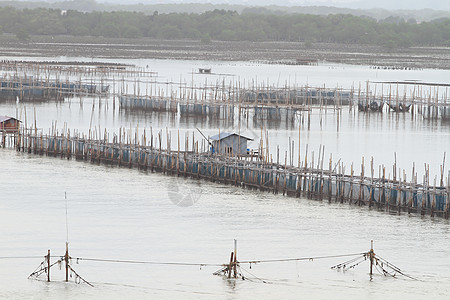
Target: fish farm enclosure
(254, 172)
(30, 82)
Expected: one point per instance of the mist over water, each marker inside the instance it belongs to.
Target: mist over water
(126, 214)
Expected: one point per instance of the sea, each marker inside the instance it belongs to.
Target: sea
(145, 235)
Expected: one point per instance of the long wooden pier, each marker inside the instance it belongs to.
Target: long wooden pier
(256, 172)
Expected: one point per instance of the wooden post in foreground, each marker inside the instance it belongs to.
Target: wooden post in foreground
(230, 265)
(66, 259)
(48, 266)
(371, 255)
(235, 259)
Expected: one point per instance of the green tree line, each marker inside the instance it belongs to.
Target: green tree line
(227, 26)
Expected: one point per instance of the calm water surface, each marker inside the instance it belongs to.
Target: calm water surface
(118, 213)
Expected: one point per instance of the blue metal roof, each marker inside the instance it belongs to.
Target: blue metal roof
(224, 135)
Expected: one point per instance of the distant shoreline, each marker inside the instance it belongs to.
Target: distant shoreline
(99, 47)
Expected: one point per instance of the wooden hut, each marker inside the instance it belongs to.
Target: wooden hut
(9, 124)
(229, 144)
(204, 71)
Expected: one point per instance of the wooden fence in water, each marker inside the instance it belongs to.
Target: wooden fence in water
(250, 171)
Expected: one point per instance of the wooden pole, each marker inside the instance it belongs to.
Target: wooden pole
(66, 260)
(235, 259)
(371, 254)
(230, 265)
(48, 266)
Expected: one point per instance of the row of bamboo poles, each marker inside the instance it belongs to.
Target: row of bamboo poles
(265, 100)
(258, 170)
(44, 89)
(75, 68)
(252, 92)
(270, 101)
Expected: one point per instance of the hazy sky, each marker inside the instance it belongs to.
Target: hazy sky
(387, 4)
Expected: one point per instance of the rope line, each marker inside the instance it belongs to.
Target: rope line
(38, 269)
(43, 269)
(147, 262)
(22, 257)
(352, 262)
(79, 277)
(392, 267)
(210, 264)
(381, 265)
(254, 276)
(298, 259)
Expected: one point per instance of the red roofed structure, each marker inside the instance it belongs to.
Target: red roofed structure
(9, 124)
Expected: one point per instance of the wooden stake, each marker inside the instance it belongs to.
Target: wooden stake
(230, 265)
(235, 258)
(48, 266)
(371, 255)
(66, 260)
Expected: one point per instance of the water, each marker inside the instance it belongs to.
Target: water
(118, 213)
